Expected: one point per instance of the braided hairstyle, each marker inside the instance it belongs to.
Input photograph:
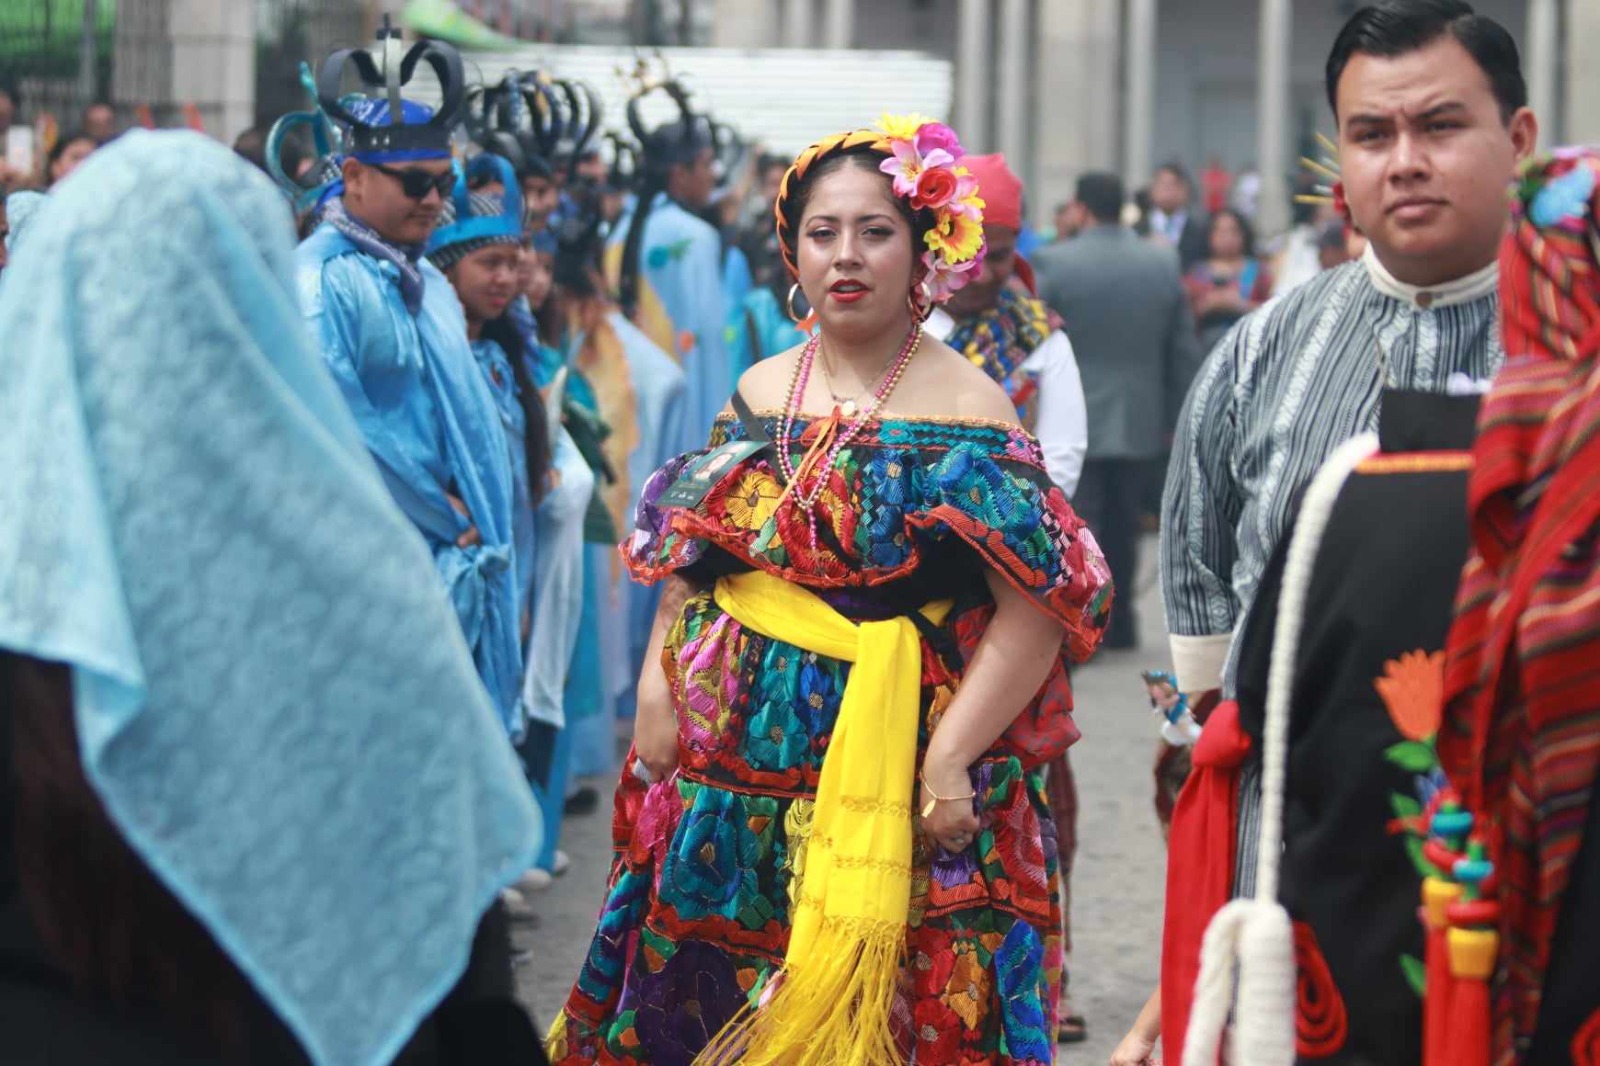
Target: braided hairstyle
(863, 148)
(671, 145)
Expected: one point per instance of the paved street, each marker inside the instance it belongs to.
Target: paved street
(1117, 886)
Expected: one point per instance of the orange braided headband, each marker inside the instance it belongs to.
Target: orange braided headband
(823, 149)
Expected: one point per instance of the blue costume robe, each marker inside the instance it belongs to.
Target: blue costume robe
(660, 389)
(760, 329)
(557, 607)
(638, 390)
(430, 422)
(495, 366)
(681, 261)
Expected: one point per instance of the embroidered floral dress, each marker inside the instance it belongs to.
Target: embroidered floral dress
(697, 916)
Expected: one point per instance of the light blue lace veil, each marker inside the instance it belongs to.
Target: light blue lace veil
(272, 695)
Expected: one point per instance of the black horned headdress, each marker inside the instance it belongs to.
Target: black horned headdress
(386, 127)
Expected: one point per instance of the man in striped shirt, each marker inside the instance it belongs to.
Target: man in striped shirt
(1431, 108)
(1432, 115)
(1432, 119)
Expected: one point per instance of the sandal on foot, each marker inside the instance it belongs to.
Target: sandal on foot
(1071, 1030)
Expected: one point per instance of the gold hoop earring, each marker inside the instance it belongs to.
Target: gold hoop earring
(922, 309)
(788, 305)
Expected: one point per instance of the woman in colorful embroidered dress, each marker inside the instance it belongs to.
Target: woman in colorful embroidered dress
(887, 594)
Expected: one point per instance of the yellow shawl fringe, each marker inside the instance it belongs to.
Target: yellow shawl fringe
(830, 1004)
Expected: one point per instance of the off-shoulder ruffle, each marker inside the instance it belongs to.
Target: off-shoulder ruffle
(903, 487)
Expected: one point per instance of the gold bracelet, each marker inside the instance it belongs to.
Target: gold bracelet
(937, 799)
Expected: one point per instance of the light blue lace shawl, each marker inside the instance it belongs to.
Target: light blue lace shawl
(272, 694)
(20, 209)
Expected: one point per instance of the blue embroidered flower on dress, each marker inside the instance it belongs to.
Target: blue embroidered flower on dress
(1019, 965)
(712, 862)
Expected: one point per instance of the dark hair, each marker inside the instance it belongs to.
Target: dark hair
(61, 146)
(865, 157)
(1247, 232)
(1101, 192)
(251, 145)
(1176, 169)
(8, 86)
(676, 144)
(536, 434)
(104, 920)
(1397, 27)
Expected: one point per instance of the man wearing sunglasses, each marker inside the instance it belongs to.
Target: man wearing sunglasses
(402, 203)
(393, 333)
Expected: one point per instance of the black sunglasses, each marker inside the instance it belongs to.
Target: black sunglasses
(416, 184)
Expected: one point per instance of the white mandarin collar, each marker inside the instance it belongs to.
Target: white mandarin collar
(1474, 286)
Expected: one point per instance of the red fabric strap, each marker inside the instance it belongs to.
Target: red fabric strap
(1200, 858)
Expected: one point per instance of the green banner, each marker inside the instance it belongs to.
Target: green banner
(445, 21)
(40, 37)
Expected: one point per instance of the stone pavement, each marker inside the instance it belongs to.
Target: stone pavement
(1117, 886)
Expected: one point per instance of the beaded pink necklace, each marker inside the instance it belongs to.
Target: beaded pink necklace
(831, 439)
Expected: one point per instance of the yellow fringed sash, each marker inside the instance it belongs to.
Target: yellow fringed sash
(830, 1004)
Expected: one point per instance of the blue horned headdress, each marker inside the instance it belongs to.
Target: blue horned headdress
(388, 128)
(326, 144)
(534, 121)
(476, 217)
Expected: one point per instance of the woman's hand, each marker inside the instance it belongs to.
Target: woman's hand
(655, 726)
(1135, 1050)
(655, 723)
(1011, 662)
(1138, 1048)
(952, 823)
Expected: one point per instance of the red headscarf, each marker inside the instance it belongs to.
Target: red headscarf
(1000, 188)
(1521, 731)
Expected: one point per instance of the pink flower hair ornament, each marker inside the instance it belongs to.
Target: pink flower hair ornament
(925, 161)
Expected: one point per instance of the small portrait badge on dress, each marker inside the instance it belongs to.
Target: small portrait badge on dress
(700, 476)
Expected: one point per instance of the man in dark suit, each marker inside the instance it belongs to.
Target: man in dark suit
(1172, 218)
(1129, 322)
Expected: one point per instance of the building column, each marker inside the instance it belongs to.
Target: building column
(744, 23)
(1540, 59)
(170, 53)
(798, 17)
(1273, 91)
(1140, 115)
(1583, 74)
(1011, 81)
(840, 24)
(973, 87)
(1075, 125)
(214, 62)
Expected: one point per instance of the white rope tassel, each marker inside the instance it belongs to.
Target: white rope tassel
(1253, 940)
